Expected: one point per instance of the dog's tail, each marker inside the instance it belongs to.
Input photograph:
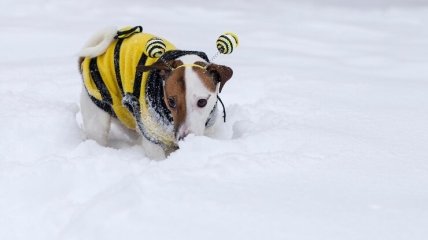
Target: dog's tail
(99, 43)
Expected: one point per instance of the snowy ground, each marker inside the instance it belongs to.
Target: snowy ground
(327, 135)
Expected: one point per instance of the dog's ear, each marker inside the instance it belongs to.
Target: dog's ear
(220, 73)
(164, 68)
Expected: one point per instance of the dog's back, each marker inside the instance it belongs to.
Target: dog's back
(109, 69)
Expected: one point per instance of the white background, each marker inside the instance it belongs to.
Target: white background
(326, 138)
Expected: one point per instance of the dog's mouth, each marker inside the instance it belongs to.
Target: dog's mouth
(181, 133)
(180, 138)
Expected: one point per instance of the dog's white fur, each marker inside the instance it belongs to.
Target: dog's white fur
(195, 89)
(96, 122)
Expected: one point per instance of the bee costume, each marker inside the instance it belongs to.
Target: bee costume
(116, 84)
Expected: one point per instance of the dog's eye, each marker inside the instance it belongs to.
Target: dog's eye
(202, 103)
(172, 103)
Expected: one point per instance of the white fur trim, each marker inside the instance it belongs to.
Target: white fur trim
(98, 43)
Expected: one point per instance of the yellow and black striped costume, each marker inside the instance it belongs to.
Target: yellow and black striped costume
(116, 85)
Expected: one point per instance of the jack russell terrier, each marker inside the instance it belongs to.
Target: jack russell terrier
(150, 87)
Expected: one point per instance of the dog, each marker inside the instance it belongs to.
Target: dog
(149, 86)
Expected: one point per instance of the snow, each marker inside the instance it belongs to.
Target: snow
(326, 135)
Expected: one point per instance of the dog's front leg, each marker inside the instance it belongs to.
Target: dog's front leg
(96, 122)
(152, 151)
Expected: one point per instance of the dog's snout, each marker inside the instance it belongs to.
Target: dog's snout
(181, 138)
(183, 131)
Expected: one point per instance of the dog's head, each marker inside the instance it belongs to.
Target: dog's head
(191, 86)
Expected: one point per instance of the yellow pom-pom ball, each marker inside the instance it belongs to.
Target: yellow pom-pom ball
(227, 42)
(155, 47)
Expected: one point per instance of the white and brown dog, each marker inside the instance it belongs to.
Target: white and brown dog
(163, 95)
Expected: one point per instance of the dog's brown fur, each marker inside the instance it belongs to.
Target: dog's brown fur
(207, 79)
(175, 88)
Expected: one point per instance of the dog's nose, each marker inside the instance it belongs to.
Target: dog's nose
(182, 133)
(182, 136)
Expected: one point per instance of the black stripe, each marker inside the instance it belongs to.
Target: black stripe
(139, 76)
(236, 40)
(154, 50)
(116, 59)
(99, 83)
(155, 95)
(225, 43)
(132, 104)
(228, 40)
(157, 41)
(156, 45)
(137, 29)
(104, 106)
(174, 54)
(230, 44)
(224, 109)
(220, 46)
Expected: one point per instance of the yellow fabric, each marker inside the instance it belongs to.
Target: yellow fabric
(131, 51)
